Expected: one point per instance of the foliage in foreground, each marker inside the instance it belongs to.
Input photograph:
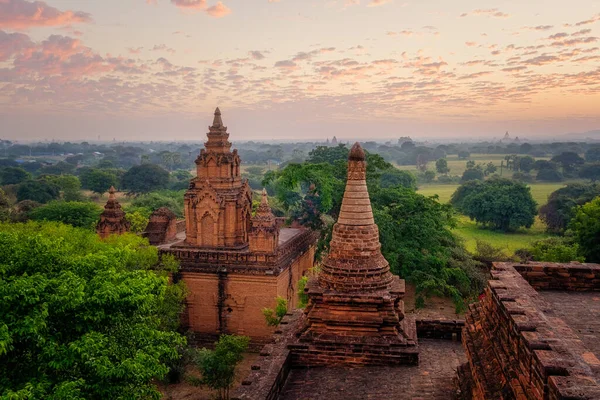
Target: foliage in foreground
(585, 228)
(77, 214)
(81, 317)
(218, 366)
(274, 317)
(561, 206)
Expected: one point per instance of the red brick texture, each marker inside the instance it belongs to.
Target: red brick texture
(355, 314)
(516, 349)
(112, 220)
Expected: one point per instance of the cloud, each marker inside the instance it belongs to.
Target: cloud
(134, 50)
(255, 54)
(471, 44)
(377, 3)
(514, 69)
(589, 21)
(539, 28)
(219, 10)
(13, 43)
(474, 75)
(306, 56)
(558, 35)
(491, 12)
(575, 42)
(190, 4)
(286, 64)
(162, 47)
(22, 14)
(581, 32)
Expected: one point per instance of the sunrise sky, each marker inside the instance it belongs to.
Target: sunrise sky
(298, 69)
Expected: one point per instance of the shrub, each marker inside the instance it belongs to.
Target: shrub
(586, 230)
(74, 213)
(555, 249)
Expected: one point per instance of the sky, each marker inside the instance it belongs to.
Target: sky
(298, 69)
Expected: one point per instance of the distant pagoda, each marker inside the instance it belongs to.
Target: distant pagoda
(355, 313)
(112, 220)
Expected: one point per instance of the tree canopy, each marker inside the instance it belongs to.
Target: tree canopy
(82, 318)
(586, 230)
(74, 213)
(13, 175)
(499, 203)
(145, 178)
(98, 180)
(561, 205)
(40, 191)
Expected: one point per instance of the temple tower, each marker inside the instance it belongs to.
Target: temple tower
(264, 233)
(112, 220)
(218, 202)
(355, 313)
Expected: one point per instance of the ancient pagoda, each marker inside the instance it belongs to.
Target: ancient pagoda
(234, 264)
(218, 203)
(355, 313)
(112, 220)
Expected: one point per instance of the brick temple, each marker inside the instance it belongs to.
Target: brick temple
(234, 264)
(112, 220)
(355, 313)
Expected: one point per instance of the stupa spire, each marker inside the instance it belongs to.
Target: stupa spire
(217, 121)
(355, 262)
(111, 193)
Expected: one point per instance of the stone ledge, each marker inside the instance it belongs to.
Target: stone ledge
(573, 276)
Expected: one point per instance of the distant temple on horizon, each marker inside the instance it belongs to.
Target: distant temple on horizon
(234, 264)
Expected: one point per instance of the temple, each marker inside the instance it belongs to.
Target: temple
(112, 220)
(234, 264)
(355, 313)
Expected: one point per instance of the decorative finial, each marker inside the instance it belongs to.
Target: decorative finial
(264, 200)
(217, 122)
(111, 193)
(356, 153)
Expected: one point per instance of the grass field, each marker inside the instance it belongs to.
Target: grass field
(539, 191)
(509, 242)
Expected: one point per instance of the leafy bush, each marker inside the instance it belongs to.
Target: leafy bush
(486, 253)
(13, 175)
(81, 318)
(40, 191)
(549, 175)
(555, 249)
(137, 221)
(145, 178)
(472, 174)
(274, 317)
(586, 230)
(165, 198)
(74, 213)
(218, 366)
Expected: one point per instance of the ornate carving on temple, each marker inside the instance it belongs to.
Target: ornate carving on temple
(112, 220)
(355, 313)
(264, 233)
(218, 202)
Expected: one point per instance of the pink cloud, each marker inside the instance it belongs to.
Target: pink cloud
(581, 32)
(162, 47)
(22, 14)
(255, 54)
(219, 10)
(377, 3)
(589, 21)
(190, 4)
(491, 12)
(471, 44)
(13, 43)
(575, 42)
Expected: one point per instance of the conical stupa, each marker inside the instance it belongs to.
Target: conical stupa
(355, 313)
(112, 220)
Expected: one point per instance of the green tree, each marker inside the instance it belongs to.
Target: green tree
(69, 185)
(98, 180)
(40, 191)
(549, 175)
(568, 160)
(137, 220)
(472, 174)
(593, 154)
(59, 168)
(81, 318)
(499, 203)
(586, 230)
(218, 366)
(463, 155)
(562, 205)
(13, 175)
(329, 155)
(441, 166)
(590, 171)
(274, 317)
(490, 168)
(77, 214)
(397, 177)
(173, 200)
(145, 178)
(526, 163)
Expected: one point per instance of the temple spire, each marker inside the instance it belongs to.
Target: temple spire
(217, 121)
(111, 193)
(355, 262)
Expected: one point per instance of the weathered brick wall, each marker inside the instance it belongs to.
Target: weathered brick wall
(270, 372)
(572, 276)
(516, 350)
(440, 328)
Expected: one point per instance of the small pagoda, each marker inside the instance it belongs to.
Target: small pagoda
(264, 232)
(355, 315)
(112, 220)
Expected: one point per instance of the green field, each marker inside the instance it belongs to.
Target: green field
(539, 191)
(509, 242)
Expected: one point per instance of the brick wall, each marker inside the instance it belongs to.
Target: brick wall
(572, 276)
(516, 350)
